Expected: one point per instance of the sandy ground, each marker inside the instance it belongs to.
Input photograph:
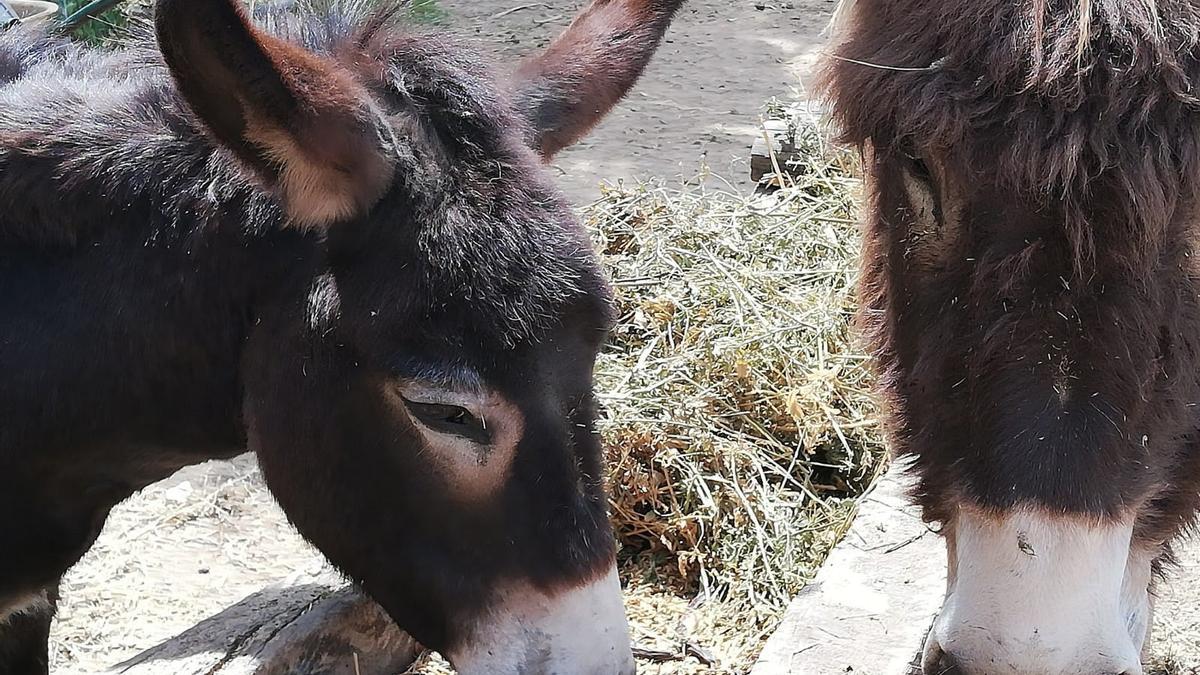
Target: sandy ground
(697, 107)
(178, 552)
(186, 548)
(1175, 642)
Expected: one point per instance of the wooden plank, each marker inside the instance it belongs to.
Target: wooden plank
(871, 605)
(307, 629)
(775, 139)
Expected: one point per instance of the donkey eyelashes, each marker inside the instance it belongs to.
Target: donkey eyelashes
(918, 167)
(447, 418)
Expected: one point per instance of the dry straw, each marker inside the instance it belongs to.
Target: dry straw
(737, 409)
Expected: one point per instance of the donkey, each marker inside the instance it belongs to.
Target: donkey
(332, 241)
(1031, 293)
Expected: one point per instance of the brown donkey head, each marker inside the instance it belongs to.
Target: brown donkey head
(1030, 291)
(421, 397)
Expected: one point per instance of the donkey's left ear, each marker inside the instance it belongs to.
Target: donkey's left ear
(299, 120)
(566, 89)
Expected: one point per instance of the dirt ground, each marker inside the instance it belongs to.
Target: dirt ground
(696, 110)
(188, 547)
(1175, 642)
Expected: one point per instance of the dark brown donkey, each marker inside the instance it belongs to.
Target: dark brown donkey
(334, 243)
(1030, 286)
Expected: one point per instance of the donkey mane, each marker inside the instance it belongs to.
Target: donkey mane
(92, 141)
(1084, 106)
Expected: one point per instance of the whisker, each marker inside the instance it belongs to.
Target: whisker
(936, 65)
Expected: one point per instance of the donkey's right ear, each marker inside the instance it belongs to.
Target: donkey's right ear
(300, 121)
(567, 88)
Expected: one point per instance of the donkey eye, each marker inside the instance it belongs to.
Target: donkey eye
(440, 413)
(449, 419)
(918, 166)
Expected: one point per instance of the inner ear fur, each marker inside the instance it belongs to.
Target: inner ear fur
(301, 122)
(567, 88)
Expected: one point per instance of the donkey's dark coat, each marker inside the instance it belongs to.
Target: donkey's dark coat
(1029, 278)
(1040, 342)
(160, 307)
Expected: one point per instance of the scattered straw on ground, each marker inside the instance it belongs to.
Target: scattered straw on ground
(1170, 665)
(177, 552)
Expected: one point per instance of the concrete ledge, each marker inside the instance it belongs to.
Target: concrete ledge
(872, 603)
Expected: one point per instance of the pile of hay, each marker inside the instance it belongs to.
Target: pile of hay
(737, 407)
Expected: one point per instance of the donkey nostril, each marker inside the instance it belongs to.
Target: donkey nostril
(943, 664)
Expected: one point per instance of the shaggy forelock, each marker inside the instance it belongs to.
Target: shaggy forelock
(1089, 105)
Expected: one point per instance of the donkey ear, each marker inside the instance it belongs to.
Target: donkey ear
(300, 121)
(566, 89)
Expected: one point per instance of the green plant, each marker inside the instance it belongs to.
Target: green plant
(97, 28)
(427, 11)
(112, 22)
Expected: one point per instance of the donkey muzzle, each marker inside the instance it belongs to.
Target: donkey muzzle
(577, 631)
(1034, 593)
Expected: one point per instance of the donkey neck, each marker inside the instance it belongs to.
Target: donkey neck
(127, 343)
(134, 261)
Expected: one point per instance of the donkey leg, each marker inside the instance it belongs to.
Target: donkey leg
(48, 525)
(25, 634)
